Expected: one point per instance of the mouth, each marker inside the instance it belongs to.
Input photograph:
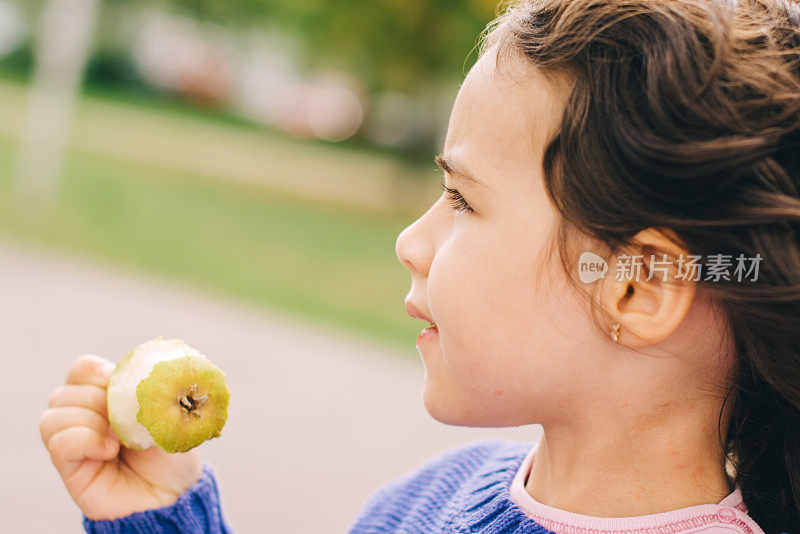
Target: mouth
(414, 312)
(427, 333)
(431, 331)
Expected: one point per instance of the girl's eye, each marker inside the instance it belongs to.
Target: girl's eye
(456, 200)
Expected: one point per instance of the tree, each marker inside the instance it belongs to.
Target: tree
(389, 44)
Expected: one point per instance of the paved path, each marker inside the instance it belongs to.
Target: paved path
(318, 419)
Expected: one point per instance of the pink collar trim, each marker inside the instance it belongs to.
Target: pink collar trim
(727, 517)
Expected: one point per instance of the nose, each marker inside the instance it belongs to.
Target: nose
(415, 246)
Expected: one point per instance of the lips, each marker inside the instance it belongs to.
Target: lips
(414, 312)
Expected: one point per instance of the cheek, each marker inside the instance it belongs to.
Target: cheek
(482, 292)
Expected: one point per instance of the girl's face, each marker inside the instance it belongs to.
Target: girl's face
(515, 344)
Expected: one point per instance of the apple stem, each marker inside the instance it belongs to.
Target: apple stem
(190, 402)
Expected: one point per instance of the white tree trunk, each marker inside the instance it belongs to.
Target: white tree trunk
(64, 42)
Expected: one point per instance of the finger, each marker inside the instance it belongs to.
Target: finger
(55, 419)
(81, 442)
(90, 369)
(84, 396)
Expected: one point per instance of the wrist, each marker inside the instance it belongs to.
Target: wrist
(191, 504)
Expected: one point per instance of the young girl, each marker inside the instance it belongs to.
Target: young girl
(615, 257)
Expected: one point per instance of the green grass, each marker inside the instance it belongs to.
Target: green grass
(322, 262)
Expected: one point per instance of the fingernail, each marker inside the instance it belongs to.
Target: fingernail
(110, 442)
(106, 370)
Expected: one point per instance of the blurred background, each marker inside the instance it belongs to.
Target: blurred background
(233, 173)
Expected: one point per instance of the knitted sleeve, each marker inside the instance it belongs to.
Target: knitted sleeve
(197, 511)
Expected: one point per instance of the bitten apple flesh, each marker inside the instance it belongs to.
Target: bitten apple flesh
(166, 393)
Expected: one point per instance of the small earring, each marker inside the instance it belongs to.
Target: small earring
(615, 327)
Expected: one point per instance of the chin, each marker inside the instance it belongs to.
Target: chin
(446, 408)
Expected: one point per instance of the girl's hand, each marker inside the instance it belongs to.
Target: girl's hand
(106, 480)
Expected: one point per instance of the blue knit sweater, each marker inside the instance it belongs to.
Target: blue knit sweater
(197, 511)
(463, 490)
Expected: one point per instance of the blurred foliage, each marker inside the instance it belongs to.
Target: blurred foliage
(390, 44)
(327, 263)
(18, 63)
(415, 47)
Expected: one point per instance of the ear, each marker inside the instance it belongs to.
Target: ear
(642, 291)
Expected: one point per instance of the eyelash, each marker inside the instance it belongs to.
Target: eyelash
(456, 200)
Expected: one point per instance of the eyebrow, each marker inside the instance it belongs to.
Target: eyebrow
(453, 167)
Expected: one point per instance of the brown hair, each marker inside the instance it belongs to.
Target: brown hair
(685, 115)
